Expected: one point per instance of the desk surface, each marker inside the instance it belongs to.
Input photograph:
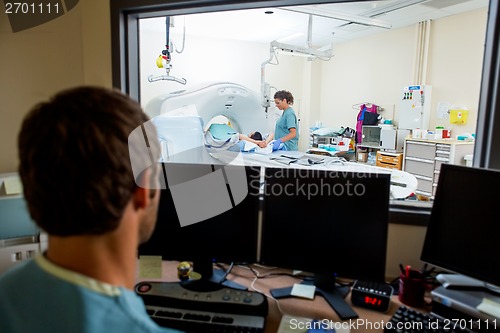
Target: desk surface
(369, 321)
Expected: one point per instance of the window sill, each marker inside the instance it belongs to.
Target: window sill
(410, 213)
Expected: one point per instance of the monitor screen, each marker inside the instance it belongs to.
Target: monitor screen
(463, 231)
(207, 213)
(328, 222)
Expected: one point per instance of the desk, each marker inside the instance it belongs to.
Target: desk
(317, 308)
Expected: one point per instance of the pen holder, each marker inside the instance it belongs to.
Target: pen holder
(412, 288)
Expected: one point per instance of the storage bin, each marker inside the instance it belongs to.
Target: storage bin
(361, 155)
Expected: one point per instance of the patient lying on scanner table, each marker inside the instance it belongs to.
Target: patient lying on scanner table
(224, 137)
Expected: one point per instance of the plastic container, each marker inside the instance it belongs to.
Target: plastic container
(372, 158)
(439, 132)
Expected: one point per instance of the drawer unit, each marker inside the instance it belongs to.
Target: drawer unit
(389, 160)
(424, 184)
(439, 161)
(419, 166)
(420, 150)
(436, 176)
(423, 158)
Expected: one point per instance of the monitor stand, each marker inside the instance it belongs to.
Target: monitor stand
(458, 281)
(462, 282)
(216, 276)
(334, 294)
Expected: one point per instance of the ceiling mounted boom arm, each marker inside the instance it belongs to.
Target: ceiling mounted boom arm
(307, 51)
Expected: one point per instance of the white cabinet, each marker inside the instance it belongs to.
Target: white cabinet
(423, 158)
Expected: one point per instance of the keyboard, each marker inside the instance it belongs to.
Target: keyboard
(407, 320)
(203, 307)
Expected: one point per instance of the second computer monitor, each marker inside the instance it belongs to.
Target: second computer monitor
(326, 222)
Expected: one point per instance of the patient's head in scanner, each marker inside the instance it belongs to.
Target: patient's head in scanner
(75, 162)
(256, 136)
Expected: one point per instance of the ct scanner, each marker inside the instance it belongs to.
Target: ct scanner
(181, 119)
(234, 101)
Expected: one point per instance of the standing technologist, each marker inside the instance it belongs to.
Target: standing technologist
(286, 135)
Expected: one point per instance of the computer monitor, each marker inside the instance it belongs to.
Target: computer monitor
(463, 231)
(330, 223)
(15, 219)
(230, 236)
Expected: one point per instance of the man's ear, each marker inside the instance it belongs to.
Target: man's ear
(141, 196)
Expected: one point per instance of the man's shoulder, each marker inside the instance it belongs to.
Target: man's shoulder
(17, 271)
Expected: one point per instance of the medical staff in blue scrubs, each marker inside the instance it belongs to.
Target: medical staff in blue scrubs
(286, 134)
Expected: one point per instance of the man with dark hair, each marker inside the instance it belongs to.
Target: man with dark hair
(77, 172)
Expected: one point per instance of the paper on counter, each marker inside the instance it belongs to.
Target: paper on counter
(150, 267)
(489, 307)
(303, 290)
(13, 185)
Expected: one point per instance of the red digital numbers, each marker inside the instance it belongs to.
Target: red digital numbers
(373, 300)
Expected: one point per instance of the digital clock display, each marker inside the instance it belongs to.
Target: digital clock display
(372, 296)
(373, 301)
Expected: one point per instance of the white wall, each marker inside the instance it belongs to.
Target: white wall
(373, 69)
(455, 65)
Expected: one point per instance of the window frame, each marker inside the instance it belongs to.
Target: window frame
(125, 71)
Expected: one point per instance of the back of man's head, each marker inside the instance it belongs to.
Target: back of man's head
(74, 160)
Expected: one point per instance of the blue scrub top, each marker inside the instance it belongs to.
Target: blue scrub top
(287, 120)
(39, 296)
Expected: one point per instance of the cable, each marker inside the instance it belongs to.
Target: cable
(226, 272)
(252, 285)
(183, 38)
